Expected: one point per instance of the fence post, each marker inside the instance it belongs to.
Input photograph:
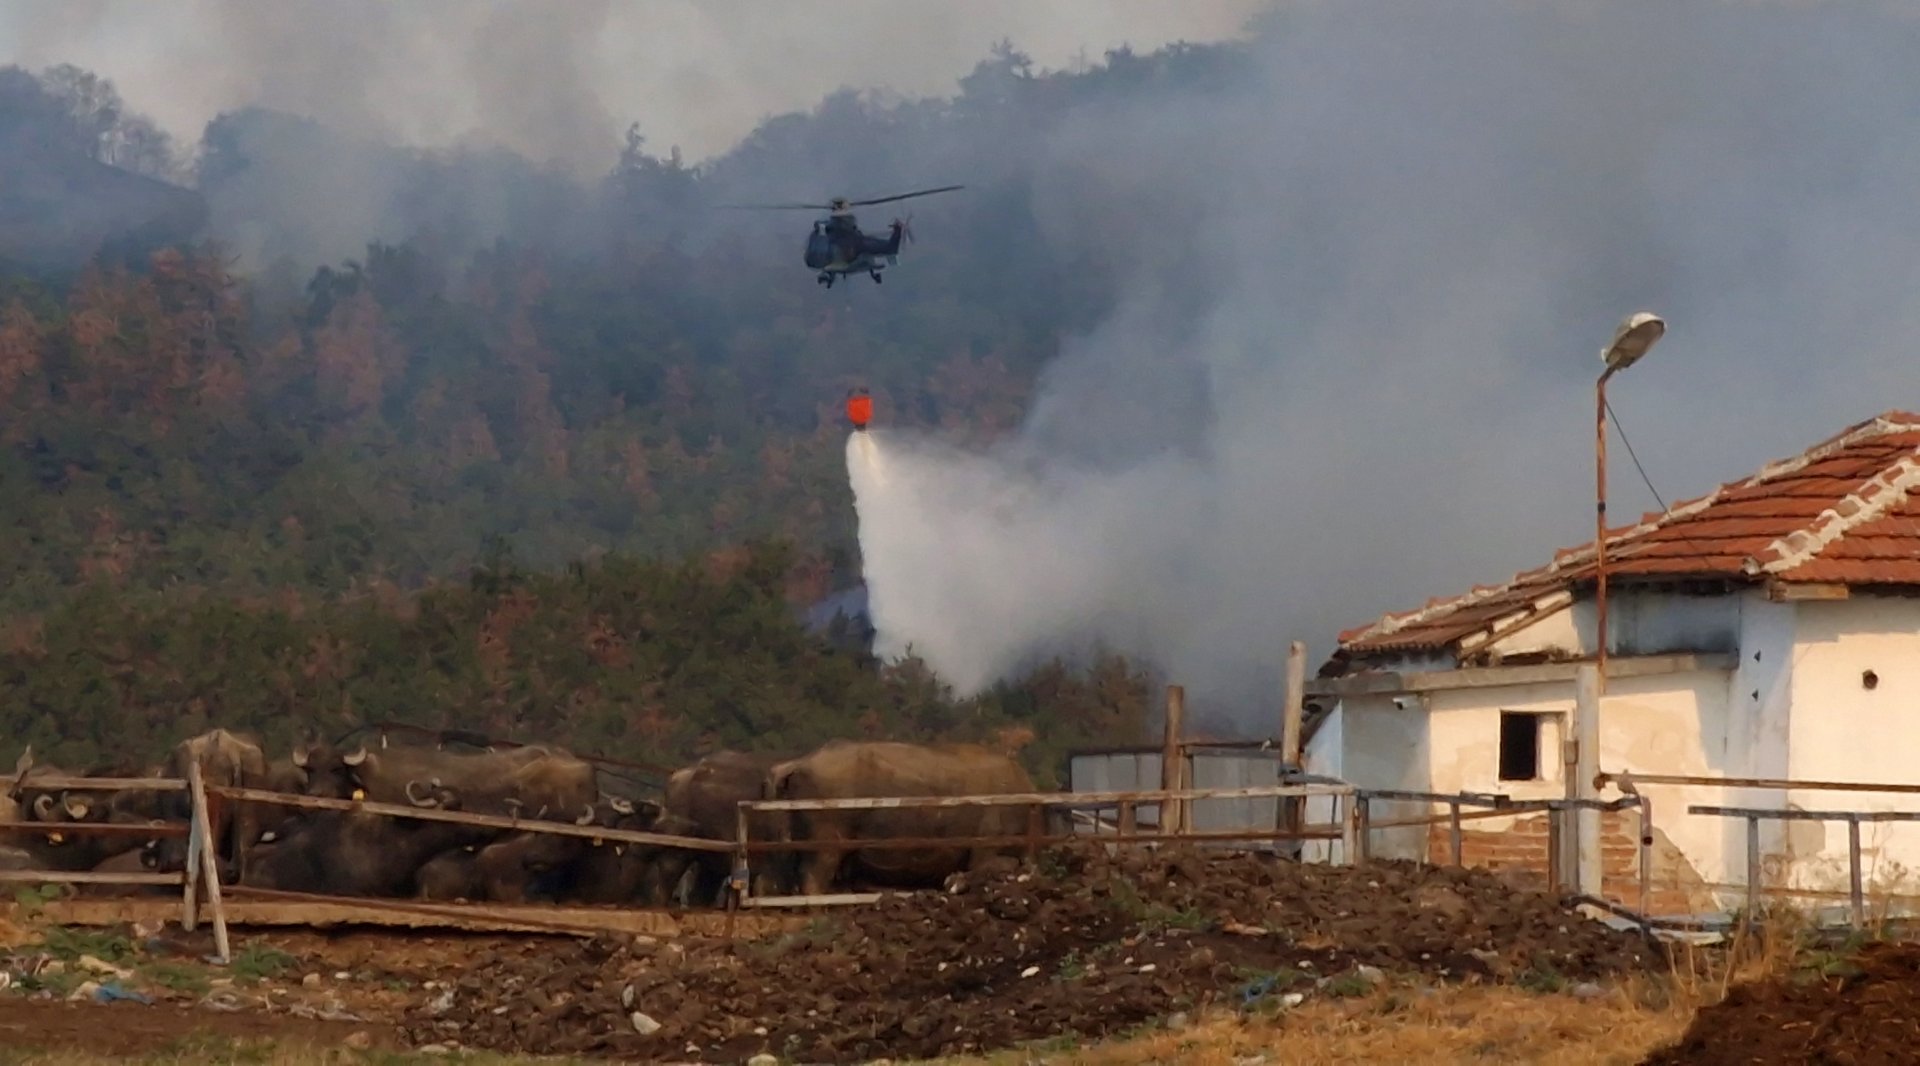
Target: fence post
(1753, 867)
(1349, 829)
(1453, 811)
(209, 862)
(1646, 849)
(742, 880)
(1556, 850)
(1854, 890)
(1173, 760)
(1362, 829)
(190, 877)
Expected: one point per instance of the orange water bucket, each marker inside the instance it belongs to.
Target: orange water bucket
(859, 410)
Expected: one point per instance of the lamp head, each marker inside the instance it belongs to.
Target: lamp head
(1636, 334)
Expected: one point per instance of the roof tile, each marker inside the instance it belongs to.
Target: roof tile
(1844, 511)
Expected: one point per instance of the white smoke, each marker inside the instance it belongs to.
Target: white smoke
(1369, 283)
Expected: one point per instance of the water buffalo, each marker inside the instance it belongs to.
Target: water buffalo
(56, 849)
(228, 760)
(529, 865)
(513, 868)
(848, 769)
(355, 853)
(619, 872)
(532, 781)
(707, 795)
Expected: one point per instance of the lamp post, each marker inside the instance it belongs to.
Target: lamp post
(1636, 334)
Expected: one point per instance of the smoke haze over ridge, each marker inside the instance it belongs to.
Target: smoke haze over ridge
(561, 79)
(1359, 284)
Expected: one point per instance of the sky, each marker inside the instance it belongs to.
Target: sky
(562, 79)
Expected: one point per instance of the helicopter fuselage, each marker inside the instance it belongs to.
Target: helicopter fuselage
(836, 247)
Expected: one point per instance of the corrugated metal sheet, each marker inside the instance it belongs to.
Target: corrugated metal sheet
(1139, 771)
(1223, 770)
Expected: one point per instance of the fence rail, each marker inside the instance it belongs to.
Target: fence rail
(201, 873)
(1856, 887)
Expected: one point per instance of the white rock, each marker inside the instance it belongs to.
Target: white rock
(1148, 968)
(626, 997)
(763, 1059)
(1293, 999)
(343, 976)
(642, 1024)
(1587, 990)
(1372, 975)
(1030, 971)
(1177, 1020)
(311, 980)
(432, 1049)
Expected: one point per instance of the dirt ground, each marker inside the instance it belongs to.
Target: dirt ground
(1856, 1011)
(1085, 947)
(1080, 947)
(127, 1029)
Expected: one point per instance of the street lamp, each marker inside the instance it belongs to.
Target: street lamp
(1637, 333)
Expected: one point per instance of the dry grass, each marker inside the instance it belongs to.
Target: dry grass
(1461, 1025)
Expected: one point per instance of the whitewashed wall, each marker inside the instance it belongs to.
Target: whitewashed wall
(1843, 731)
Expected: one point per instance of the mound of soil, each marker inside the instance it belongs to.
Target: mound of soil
(1083, 944)
(1861, 1015)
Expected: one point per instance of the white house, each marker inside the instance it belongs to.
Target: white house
(1768, 630)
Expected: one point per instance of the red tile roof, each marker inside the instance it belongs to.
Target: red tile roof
(1841, 513)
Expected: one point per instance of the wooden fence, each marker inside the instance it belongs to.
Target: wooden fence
(201, 873)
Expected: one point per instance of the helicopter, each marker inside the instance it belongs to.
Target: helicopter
(837, 248)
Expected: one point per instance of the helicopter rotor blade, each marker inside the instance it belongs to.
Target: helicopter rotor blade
(773, 207)
(902, 196)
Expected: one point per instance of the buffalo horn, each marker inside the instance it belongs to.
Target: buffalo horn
(43, 807)
(356, 757)
(77, 808)
(620, 805)
(586, 816)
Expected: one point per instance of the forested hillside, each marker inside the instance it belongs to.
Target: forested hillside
(229, 459)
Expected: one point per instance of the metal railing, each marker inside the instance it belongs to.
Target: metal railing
(1856, 887)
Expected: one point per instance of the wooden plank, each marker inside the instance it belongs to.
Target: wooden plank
(1796, 591)
(1015, 840)
(1388, 682)
(209, 861)
(1296, 698)
(1173, 759)
(101, 784)
(163, 829)
(832, 899)
(85, 877)
(434, 814)
(294, 910)
(1050, 799)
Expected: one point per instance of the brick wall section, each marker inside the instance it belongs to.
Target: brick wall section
(1522, 848)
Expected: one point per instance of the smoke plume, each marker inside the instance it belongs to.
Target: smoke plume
(1366, 282)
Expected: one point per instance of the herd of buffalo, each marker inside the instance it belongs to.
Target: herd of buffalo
(356, 852)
